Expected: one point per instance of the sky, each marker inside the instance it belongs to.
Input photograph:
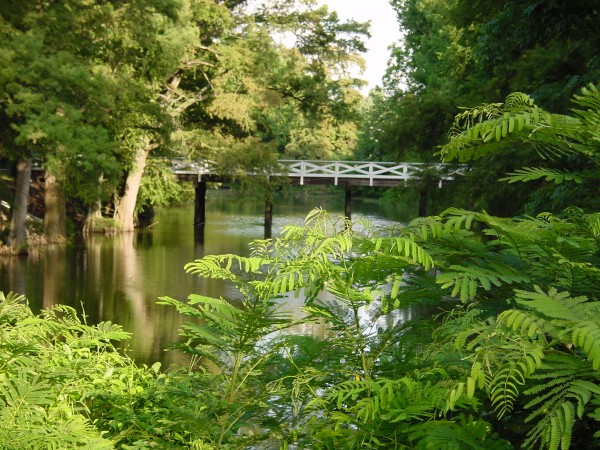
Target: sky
(384, 32)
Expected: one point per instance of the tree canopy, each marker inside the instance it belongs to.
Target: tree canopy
(93, 90)
(459, 54)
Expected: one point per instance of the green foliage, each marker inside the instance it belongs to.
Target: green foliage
(569, 143)
(262, 98)
(159, 186)
(92, 89)
(46, 364)
(465, 52)
(233, 342)
(466, 432)
(544, 358)
(63, 384)
(523, 365)
(516, 357)
(535, 173)
(355, 268)
(477, 131)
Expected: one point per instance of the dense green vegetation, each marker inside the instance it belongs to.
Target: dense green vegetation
(93, 89)
(508, 356)
(462, 53)
(512, 359)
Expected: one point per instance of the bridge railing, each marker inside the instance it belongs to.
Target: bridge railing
(366, 170)
(370, 170)
(201, 167)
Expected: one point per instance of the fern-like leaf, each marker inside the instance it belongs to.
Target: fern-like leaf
(465, 433)
(405, 247)
(535, 173)
(586, 335)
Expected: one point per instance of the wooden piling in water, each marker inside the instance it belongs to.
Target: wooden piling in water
(268, 215)
(200, 203)
(348, 202)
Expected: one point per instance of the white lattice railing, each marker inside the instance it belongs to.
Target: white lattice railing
(366, 170)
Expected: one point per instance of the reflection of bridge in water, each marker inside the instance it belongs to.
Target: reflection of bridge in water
(338, 173)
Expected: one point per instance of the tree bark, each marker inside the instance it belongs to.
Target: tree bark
(17, 238)
(125, 205)
(94, 213)
(55, 210)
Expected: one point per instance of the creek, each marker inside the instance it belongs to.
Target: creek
(120, 278)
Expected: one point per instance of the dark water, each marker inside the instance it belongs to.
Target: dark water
(120, 278)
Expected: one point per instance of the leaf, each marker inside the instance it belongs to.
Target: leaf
(111, 331)
(534, 173)
(586, 335)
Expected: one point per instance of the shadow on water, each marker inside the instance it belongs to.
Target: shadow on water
(120, 278)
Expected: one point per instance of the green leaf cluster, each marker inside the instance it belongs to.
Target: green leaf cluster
(514, 361)
(507, 356)
(47, 366)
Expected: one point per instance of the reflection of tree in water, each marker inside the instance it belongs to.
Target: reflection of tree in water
(55, 278)
(13, 267)
(114, 269)
(120, 278)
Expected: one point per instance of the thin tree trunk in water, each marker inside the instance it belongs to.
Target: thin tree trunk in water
(17, 238)
(125, 206)
(94, 213)
(55, 214)
(268, 210)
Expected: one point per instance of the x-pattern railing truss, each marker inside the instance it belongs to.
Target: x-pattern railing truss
(303, 169)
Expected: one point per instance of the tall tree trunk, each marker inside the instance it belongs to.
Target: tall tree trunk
(55, 210)
(93, 215)
(125, 206)
(17, 238)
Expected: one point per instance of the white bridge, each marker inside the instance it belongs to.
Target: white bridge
(348, 173)
(344, 173)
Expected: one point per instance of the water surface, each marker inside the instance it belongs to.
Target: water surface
(120, 278)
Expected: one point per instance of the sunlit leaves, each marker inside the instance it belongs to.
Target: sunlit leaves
(49, 367)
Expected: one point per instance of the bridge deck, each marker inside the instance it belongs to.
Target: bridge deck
(348, 173)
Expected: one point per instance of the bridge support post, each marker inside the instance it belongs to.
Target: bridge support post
(200, 203)
(268, 215)
(348, 203)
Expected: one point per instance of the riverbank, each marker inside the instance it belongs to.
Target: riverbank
(36, 240)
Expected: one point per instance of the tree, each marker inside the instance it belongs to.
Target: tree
(279, 91)
(314, 79)
(164, 45)
(462, 53)
(54, 101)
(96, 88)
